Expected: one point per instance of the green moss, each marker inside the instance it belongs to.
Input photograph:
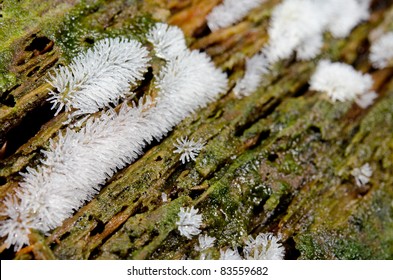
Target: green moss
(21, 19)
(289, 165)
(147, 232)
(336, 244)
(360, 229)
(232, 200)
(327, 245)
(276, 196)
(85, 24)
(72, 28)
(7, 80)
(74, 36)
(140, 25)
(17, 16)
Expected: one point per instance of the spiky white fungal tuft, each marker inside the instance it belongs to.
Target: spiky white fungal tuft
(70, 173)
(362, 175)
(189, 222)
(263, 247)
(189, 149)
(205, 242)
(342, 83)
(100, 76)
(381, 52)
(230, 254)
(230, 12)
(168, 41)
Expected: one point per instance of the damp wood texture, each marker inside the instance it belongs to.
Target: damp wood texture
(277, 161)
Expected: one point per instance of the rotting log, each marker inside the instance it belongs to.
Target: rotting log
(277, 161)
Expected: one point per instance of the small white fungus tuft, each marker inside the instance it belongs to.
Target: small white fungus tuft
(263, 247)
(189, 222)
(205, 242)
(362, 175)
(342, 83)
(189, 149)
(230, 254)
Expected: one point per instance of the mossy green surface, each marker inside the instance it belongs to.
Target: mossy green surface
(20, 19)
(72, 26)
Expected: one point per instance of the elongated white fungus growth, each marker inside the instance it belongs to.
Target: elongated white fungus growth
(189, 222)
(362, 175)
(342, 83)
(189, 78)
(381, 52)
(78, 163)
(98, 77)
(189, 149)
(230, 12)
(70, 174)
(263, 247)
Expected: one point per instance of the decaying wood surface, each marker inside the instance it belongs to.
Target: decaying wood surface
(277, 161)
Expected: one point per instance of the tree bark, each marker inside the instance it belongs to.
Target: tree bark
(277, 161)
